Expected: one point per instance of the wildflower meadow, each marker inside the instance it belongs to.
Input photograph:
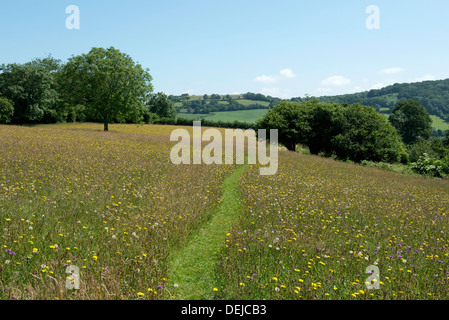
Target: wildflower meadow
(87, 214)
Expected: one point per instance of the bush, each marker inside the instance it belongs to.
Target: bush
(394, 167)
(431, 166)
(433, 147)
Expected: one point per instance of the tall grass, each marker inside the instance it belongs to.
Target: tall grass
(312, 230)
(111, 204)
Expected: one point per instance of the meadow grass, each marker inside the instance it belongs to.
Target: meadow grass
(247, 102)
(192, 116)
(113, 204)
(312, 230)
(192, 267)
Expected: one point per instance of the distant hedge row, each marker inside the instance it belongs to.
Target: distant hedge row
(205, 123)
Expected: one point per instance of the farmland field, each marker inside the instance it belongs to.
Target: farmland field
(249, 116)
(113, 205)
(439, 124)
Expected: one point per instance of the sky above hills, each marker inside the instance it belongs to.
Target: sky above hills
(275, 47)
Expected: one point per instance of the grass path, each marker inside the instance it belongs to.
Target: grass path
(192, 266)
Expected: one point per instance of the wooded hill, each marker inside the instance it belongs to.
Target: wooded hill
(433, 95)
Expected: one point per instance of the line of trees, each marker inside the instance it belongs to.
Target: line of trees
(356, 132)
(104, 85)
(216, 103)
(202, 106)
(432, 95)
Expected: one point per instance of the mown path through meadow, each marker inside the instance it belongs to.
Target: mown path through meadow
(192, 266)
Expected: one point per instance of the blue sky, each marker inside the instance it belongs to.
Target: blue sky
(276, 47)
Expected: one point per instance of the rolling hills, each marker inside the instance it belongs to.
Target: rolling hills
(248, 107)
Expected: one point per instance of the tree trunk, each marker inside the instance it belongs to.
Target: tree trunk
(106, 126)
(291, 146)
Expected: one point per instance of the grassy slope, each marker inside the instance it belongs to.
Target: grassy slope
(243, 115)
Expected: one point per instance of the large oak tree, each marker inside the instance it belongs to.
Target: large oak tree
(108, 83)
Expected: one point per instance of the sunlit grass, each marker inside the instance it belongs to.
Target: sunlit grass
(311, 230)
(111, 204)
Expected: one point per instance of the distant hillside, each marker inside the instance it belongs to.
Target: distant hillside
(433, 95)
(207, 104)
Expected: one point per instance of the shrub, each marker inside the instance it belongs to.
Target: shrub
(430, 166)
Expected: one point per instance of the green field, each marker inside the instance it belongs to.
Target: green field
(249, 102)
(249, 116)
(439, 123)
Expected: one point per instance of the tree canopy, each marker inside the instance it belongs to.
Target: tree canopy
(348, 132)
(291, 120)
(411, 120)
(31, 86)
(6, 110)
(432, 95)
(108, 83)
(160, 105)
(366, 135)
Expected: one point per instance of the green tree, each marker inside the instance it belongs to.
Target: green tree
(31, 87)
(353, 132)
(108, 83)
(160, 105)
(323, 124)
(420, 147)
(6, 110)
(291, 120)
(367, 135)
(446, 139)
(411, 120)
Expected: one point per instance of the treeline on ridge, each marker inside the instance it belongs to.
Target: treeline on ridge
(432, 94)
(216, 103)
